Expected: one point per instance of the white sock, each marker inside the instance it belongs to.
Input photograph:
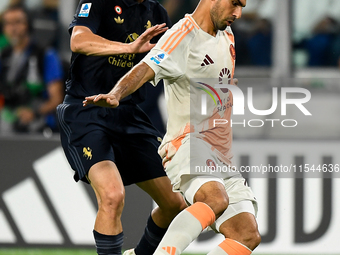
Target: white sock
(185, 228)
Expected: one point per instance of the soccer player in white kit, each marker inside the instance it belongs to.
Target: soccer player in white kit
(194, 55)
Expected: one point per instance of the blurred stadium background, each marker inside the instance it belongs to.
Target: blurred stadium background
(279, 43)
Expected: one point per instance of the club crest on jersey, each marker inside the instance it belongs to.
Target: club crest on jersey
(85, 10)
(211, 164)
(118, 9)
(159, 58)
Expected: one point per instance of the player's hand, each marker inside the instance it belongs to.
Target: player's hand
(102, 100)
(142, 43)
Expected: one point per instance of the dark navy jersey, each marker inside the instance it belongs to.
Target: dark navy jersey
(116, 20)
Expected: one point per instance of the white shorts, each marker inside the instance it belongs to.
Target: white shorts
(186, 180)
(196, 158)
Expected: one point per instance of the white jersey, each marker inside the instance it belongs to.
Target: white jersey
(184, 53)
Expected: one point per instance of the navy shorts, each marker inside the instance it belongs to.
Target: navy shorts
(123, 135)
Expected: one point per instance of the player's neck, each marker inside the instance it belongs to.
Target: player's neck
(203, 19)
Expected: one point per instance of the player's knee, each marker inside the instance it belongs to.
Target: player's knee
(113, 201)
(219, 206)
(250, 237)
(173, 207)
(218, 202)
(177, 206)
(256, 240)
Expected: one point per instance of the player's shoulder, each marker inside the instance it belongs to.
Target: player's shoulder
(229, 31)
(187, 24)
(155, 5)
(159, 13)
(180, 35)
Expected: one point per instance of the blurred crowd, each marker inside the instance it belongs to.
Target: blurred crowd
(323, 45)
(32, 74)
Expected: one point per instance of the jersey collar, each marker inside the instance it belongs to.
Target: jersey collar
(133, 2)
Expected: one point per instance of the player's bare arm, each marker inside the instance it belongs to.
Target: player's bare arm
(84, 41)
(132, 81)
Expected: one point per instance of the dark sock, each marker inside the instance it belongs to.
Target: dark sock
(151, 238)
(108, 245)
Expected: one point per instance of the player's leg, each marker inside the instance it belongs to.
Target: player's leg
(147, 172)
(188, 224)
(108, 186)
(241, 234)
(238, 223)
(90, 154)
(169, 205)
(243, 229)
(209, 200)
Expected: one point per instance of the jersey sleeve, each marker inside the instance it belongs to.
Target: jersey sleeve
(168, 59)
(88, 14)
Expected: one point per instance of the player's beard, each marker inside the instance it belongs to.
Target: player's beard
(216, 17)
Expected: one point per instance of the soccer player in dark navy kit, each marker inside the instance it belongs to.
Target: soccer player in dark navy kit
(110, 148)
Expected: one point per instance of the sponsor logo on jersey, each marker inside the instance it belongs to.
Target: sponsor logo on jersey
(221, 103)
(87, 153)
(159, 58)
(85, 10)
(131, 38)
(118, 9)
(119, 20)
(209, 93)
(124, 60)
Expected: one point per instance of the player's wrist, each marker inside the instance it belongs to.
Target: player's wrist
(118, 98)
(114, 95)
(129, 48)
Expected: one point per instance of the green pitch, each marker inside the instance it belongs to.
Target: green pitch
(64, 252)
(46, 252)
